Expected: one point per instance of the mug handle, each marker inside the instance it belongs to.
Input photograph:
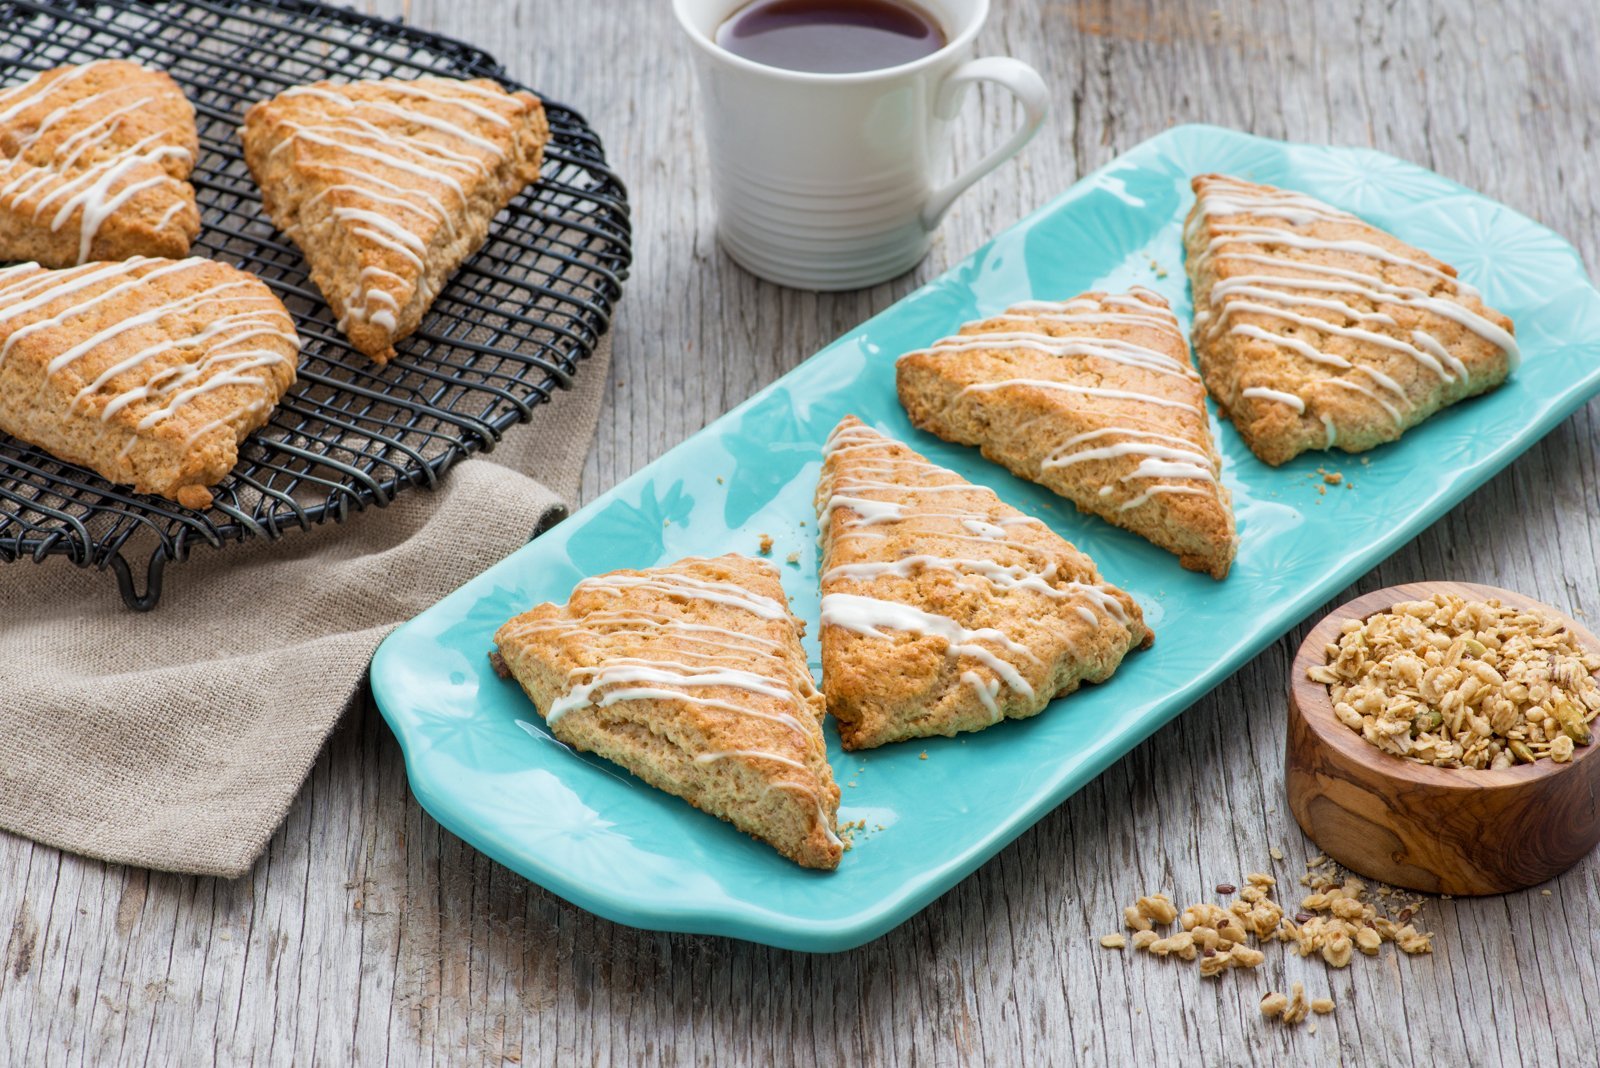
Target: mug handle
(1029, 89)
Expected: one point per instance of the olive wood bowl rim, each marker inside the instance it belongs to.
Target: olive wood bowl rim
(1316, 704)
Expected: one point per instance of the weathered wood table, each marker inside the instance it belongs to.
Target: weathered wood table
(367, 933)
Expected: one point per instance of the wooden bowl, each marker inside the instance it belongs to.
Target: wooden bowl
(1440, 830)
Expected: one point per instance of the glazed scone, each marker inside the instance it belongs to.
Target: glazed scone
(387, 186)
(944, 609)
(1094, 398)
(1315, 329)
(691, 676)
(94, 165)
(150, 372)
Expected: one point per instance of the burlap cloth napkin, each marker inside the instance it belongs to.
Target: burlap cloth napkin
(176, 739)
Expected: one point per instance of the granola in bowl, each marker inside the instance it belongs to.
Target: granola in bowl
(1457, 683)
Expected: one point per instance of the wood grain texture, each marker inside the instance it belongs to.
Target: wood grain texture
(369, 934)
(1441, 830)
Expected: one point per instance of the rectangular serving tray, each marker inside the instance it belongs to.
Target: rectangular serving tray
(482, 763)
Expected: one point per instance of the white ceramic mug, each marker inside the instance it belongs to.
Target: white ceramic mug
(830, 181)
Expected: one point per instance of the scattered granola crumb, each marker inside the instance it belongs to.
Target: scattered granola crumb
(719, 480)
(1333, 478)
(1290, 1008)
(1275, 853)
(766, 545)
(922, 755)
(1544, 893)
(1297, 1004)
(793, 559)
(1158, 907)
(1322, 490)
(1337, 920)
(1113, 941)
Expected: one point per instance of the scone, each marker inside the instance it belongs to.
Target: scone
(387, 186)
(148, 371)
(94, 165)
(1095, 398)
(691, 676)
(944, 609)
(1315, 329)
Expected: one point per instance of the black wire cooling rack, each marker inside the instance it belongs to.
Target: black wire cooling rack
(510, 328)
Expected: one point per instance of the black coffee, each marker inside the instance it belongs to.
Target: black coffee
(831, 36)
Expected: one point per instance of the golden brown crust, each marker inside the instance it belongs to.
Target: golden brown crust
(387, 186)
(94, 165)
(1315, 329)
(692, 677)
(1095, 398)
(150, 372)
(944, 609)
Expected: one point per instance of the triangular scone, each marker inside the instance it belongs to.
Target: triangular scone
(943, 609)
(94, 165)
(149, 371)
(387, 186)
(1315, 329)
(692, 677)
(1095, 398)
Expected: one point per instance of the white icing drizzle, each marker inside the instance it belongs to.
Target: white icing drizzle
(876, 618)
(905, 504)
(94, 191)
(1168, 463)
(1296, 284)
(1137, 307)
(1087, 391)
(673, 584)
(434, 166)
(234, 354)
(705, 657)
(987, 690)
(1263, 393)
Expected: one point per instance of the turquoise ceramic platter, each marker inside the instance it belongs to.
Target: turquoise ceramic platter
(482, 763)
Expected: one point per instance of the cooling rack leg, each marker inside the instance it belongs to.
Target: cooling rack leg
(152, 583)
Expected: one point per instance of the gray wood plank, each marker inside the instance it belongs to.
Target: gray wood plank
(369, 934)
